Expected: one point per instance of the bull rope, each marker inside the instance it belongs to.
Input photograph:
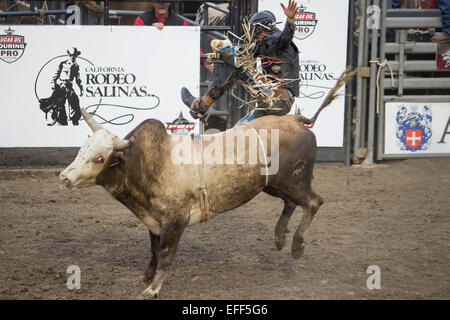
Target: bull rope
(205, 201)
(263, 149)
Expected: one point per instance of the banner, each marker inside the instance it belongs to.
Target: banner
(122, 74)
(412, 129)
(321, 36)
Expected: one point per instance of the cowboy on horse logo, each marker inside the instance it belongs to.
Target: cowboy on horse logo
(414, 128)
(305, 23)
(11, 46)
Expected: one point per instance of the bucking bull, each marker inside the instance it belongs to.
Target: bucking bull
(168, 196)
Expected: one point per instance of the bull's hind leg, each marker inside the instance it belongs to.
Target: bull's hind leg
(310, 206)
(151, 269)
(281, 227)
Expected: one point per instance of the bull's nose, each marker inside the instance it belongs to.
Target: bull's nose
(63, 181)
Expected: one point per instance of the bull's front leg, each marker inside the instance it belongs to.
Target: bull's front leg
(172, 227)
(155, 249)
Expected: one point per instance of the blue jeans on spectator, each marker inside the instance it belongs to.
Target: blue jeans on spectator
(444, 5)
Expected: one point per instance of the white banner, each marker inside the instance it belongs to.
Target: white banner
(417, 128)
(321, 36)
(124, 74)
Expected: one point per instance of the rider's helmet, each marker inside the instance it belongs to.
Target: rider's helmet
(263, 21)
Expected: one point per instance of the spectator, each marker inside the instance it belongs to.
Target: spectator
(444, 36)
(161, 16)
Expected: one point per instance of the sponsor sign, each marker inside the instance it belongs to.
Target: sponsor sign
(12, 46)
(180, 125)
(305, 23)
(122, 75)
(418, 128)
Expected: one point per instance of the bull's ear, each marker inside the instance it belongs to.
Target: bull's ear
(120, 144)
(118, 156)
(91, 122)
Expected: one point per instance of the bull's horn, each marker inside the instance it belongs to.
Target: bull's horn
(120, 144)
(91, 122)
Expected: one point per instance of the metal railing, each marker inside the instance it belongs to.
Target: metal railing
(36, 12)
(414, 73)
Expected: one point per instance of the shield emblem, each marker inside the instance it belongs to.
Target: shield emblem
(413, 137)
(11, 47)
(305, 24)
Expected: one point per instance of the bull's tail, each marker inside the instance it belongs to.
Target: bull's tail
(331, 96)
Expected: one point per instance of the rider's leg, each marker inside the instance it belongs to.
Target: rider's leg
(199, 106)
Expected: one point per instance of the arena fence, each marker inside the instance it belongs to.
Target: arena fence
(399, 78)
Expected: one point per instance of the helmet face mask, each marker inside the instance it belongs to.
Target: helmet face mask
(263, 21)
(259, 28)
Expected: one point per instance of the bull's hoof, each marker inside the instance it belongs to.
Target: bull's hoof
(146, 280)
(298, 247)
(147, 295)
(280, 241)
(143, 296)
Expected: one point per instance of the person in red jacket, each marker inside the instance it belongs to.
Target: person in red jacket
(161, 16)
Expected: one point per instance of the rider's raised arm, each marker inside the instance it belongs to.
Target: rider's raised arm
(288, 32)
(287, 35)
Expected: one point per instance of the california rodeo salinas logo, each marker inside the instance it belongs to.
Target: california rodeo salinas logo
(305, 23)
(11, 46)
(414, 128)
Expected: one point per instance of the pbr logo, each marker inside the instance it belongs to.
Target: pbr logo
(305, 23)
(414, 128)
(180, 125)
(12, 46)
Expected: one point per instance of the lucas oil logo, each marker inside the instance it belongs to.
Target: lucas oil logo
(305, 23)
(12, 46)
(414, 128)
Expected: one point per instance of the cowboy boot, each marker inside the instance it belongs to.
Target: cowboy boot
(441, 38)
(200, 108)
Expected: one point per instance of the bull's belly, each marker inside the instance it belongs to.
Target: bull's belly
(228, 189)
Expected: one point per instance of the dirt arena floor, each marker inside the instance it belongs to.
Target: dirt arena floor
(395, 215)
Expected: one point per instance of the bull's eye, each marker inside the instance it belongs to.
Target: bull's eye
(99, 159)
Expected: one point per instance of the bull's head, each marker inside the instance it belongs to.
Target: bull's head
(93, 157)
